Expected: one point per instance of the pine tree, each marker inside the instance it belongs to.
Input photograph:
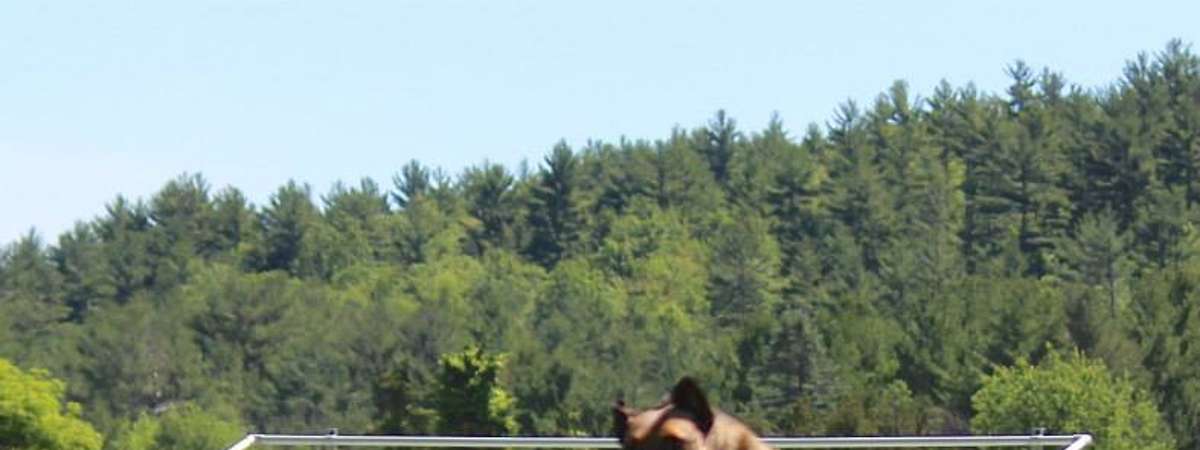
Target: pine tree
(1098, 256)
(352, 230)
(31, 303)
(181, 213)
(859, 197)
(125, 232)
(79, 257)
(1176, 80)
(1114, 154)
(960, 124)
(756, 165)
(358, 205)
(744, 295)
(285, 222)
(487, 191)
(799, 208)
(414, 180)
(235, 227)
(554, 209)
(718, 143)
(680, 180)
(1166, 322)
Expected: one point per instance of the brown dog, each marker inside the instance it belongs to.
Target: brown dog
(684, 422)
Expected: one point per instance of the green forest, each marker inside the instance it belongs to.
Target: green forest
(958, 262)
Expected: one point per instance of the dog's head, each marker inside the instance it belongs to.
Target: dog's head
(681, 423)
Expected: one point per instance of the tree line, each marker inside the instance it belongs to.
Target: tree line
(917, 265)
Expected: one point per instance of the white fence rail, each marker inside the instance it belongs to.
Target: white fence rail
(1067, 442)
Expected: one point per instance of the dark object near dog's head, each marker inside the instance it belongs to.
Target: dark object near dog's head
(684, 422)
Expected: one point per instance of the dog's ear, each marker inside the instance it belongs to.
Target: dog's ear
(620, 419)
(687, 396)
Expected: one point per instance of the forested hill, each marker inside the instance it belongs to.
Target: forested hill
(917, 265)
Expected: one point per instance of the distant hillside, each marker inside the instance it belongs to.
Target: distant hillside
(862, 278)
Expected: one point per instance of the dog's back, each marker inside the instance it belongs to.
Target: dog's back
(729, 433)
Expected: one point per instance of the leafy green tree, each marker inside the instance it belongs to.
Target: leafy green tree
(309, 379)
(444, 320)
(402, 398)
(858, 344)
(888, 410)
(139, 357)
(239, 322)
(954, 336)
(471, 398)
(34, 415)
(141, 434)
(566, 381)
(1069, 394)
(184, 427)
(503, 299)
(375, 297)
(377, 323)
(669, 307)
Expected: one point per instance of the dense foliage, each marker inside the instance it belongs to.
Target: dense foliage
(866, 277)
(1065, 395)
(34, 416)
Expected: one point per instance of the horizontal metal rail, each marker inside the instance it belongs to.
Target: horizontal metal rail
(1071, 442)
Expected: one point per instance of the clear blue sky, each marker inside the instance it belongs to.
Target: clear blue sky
(106, 98)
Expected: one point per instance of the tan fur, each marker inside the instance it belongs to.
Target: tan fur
(668, 427)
